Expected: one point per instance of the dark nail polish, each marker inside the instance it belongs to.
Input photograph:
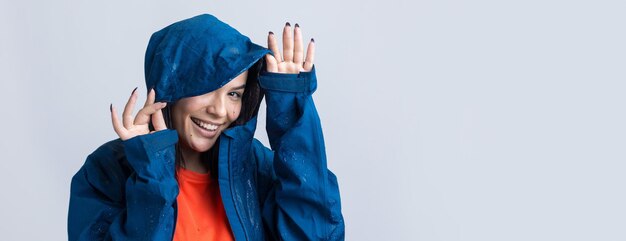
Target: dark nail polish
(111, 107)
(297, 25)
(271, 32)
(134, 91)
(288, 24)
(312, 40)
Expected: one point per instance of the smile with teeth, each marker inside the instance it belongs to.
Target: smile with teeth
(204, 125)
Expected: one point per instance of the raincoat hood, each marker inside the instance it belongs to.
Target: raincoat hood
(196, 56)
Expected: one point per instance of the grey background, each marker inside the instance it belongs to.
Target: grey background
(444, 119)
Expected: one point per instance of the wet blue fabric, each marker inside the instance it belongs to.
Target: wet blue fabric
(196, 56)
(126, 190)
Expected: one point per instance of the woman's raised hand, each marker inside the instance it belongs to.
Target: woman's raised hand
(131, 127)
(292, 60)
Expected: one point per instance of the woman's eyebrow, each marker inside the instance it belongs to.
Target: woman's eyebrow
(239, 87)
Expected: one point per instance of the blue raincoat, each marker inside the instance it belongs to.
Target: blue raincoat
(127, 190)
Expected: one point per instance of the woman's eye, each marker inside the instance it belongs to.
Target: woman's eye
(235, 94)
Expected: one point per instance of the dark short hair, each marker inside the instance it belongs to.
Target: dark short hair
(252, 95)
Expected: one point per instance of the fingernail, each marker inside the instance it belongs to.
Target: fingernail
(271, 32)
(297, 25)
(288, 24)
(111, 107)
(312, 40)
(134, 91)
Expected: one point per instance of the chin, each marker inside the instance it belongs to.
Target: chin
(201, 146)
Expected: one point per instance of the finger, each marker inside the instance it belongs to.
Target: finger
(310, 56)
(150, 99)
(117, 125)
(271, 64)
(158, 121)
(127, 115)
(273, 46)
(287, 43)
(143, 116)
(298, 53)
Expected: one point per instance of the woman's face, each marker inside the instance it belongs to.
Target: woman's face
(199, 120)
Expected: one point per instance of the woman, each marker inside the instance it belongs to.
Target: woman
(187, 166)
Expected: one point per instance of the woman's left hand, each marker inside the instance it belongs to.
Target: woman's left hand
(292, 60)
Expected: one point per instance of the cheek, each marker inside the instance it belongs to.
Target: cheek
(234, 112)
(179, 112)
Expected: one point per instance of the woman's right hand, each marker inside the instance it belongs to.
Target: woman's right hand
(131, 127)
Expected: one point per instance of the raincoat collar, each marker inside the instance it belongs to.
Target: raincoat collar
(242, 132)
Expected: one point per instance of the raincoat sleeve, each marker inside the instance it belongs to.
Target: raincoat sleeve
(301, 201)
(112, 199)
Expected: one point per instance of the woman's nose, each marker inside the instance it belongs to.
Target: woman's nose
(217, 107)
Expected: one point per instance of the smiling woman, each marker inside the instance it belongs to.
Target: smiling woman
(200, 119)
(187, 166)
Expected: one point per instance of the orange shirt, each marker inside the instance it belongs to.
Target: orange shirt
(201, 214)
